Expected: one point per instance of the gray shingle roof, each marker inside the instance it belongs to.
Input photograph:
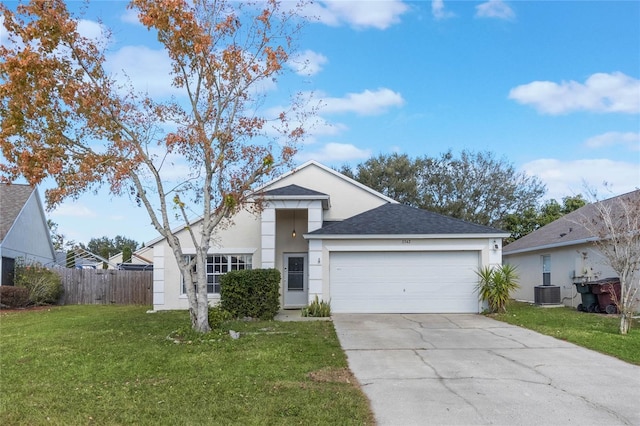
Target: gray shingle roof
(293, 191)
(12, 200)
(399, 219)
(564, 231)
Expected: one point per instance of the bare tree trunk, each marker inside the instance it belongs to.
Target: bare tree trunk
(200, 318)
(625, 323)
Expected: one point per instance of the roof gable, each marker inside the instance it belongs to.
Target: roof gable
(296, 192)
(400, 219)
(12, 200)
(293, 191)
(565, 231)
(314, 164)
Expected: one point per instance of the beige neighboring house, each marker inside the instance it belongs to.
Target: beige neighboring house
(552, 259)
(141, 258)
(24, 233)
(337, 239)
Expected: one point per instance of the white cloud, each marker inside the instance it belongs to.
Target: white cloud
(317, 126)
(565, 178)
(632, 139)
(91, 29)
(358, 14)
(149, 70)
(495, 9)
(437, 9)
(73, 210)
(130, 16)
(308, 63)
(601, 92)
(364, 103)
(334, 153)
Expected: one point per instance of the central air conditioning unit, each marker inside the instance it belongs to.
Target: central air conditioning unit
(546, 295)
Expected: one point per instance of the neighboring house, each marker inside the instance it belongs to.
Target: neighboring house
(337, 239)
(141, 260)
(24, 233)
(559, 255)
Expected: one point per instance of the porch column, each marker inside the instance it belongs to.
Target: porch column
(268, 237)
(158, 277)
(314, 221)
(315, 270)
(314, 216)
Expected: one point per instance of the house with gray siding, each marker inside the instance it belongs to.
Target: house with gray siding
(24, 233)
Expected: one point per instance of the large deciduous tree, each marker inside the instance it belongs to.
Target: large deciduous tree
(474, 186)
(524, 222)
(65, 117)
(395, 175)
(107, 247)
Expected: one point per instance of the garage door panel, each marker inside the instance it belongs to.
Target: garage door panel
(404, 282)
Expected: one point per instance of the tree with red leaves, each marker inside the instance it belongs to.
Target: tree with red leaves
(65, 117)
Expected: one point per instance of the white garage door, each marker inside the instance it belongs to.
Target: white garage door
(404, 282)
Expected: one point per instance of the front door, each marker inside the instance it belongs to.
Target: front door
(295, 280)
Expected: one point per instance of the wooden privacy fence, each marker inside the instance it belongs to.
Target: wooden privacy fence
(106, 286)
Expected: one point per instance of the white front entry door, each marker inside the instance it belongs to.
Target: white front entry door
(296, 288)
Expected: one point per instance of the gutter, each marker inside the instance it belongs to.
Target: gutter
(549, 246)
(398, 236)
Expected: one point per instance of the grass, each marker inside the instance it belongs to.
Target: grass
(115, 365)
(594, 331)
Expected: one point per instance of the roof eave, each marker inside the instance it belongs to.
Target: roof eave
(323, 198)
(400, 236)
(549, 246)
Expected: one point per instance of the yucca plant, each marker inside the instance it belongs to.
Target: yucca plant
(496, 285)
(317, 308)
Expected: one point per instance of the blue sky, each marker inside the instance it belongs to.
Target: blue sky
(552, 87)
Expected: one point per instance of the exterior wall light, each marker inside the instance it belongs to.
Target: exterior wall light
(293, 234)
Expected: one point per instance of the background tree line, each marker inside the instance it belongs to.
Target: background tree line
(103, 246)
(472, 186)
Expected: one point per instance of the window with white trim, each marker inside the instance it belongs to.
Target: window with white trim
(546, 269)
(218, 265)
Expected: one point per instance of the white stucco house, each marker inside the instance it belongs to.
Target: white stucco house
(23, 230)
(337, 239)
(559, 255)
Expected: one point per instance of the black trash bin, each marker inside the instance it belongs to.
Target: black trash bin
(589, 300)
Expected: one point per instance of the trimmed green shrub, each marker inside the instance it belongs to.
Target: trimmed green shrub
(496, 285)
(13, 297)
(44, 285)
(317, 308)
(217, 316)
(251, 293)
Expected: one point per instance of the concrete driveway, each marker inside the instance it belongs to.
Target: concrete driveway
(436, 369)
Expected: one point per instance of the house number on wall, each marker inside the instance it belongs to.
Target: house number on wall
(406, 241)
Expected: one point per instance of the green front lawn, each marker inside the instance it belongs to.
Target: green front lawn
(594, 331)
(115, 365)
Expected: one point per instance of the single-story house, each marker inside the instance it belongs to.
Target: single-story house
(141, 260)
(553, 259)
(24, 233)
(337, 239)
